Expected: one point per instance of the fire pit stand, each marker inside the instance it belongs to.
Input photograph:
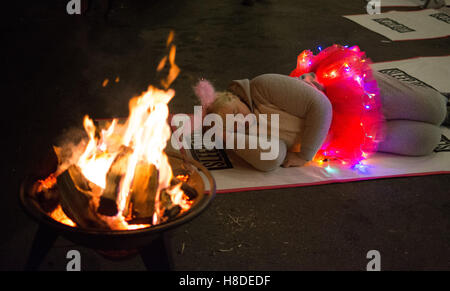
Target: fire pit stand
(151, 243)
(156, 256)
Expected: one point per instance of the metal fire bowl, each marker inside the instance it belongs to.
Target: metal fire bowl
(119, 239)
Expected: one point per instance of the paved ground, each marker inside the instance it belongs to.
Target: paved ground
(55, 64)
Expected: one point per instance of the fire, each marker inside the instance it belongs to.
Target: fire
(178, 197)
(59, 215)
(183, 178)
(145, 135)
(46, 183)
(174, 69)
(96, 159)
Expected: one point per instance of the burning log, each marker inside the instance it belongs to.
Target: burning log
(170, 210)
(45, 193)
(188, 190)
(108, 204)
(145, 187)
(190, 181)
(76, 200)
(48, 199)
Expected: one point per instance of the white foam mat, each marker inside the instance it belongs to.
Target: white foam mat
(432, 71)
(410, 25)
(242, 177)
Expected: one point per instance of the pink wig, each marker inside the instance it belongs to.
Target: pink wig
(205, 93)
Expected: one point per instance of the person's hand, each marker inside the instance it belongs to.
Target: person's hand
(293, 160)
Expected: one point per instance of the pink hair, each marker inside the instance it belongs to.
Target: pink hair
(205, 93)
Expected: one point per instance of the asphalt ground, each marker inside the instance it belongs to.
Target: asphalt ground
(55, 64)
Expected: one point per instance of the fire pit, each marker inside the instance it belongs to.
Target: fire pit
(117, 190)
(150, 242)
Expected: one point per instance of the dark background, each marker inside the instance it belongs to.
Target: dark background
(54, 65)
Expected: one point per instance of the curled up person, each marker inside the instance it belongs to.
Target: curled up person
(336, 107)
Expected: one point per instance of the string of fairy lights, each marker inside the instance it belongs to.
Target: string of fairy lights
(343, 64)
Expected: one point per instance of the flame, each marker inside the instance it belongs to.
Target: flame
(170, 38)
(59, 215)
(146, 133)
(178, 197)
(96, 160)
(161, 64)
(183, 178)
(119, 223)
(174, 69)
(105, 82)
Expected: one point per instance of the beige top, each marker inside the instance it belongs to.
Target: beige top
(304, 112)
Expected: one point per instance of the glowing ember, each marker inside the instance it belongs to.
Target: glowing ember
(59, 215)
(182, 178)
(178, 197)
(47, 183)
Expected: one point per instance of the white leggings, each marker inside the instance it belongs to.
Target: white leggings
(413, 115)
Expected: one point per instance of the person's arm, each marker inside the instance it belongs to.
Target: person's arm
(253, 156)
(302, 100)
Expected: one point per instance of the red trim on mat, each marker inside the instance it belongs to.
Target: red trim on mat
(328, 182)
